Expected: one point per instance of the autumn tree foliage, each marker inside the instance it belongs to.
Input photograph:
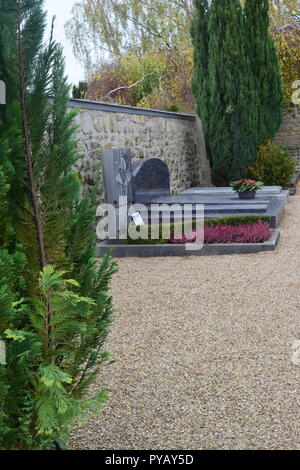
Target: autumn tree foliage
(285, 29)
(154, 80)
(107, 33)
(136, 52)
(102, 29)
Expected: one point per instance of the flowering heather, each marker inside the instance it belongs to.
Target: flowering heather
(251, 233)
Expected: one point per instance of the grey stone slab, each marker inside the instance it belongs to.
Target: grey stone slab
(141, 251)
(212, 200)
(266, 191)
(220, 191)
(269, 206)
(146, 195)
(219, 208)
(285, 194)
(237, 209)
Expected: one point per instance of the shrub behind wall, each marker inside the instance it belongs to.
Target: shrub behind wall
(274, 165)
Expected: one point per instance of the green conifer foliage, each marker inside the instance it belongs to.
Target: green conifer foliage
(265, 67)
(199, 32)
(236, 112)
(55, 307)
(229, 136)
(79, 91)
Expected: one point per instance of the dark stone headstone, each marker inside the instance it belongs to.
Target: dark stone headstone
(151, 179)
(117, 176)
(118, 185)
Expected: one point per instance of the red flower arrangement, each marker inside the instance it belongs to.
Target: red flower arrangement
(240, 186)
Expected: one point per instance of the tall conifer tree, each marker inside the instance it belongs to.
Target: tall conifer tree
(235, 110)
(199, 32)
(55, 309)
(265, 67)
(229, 106)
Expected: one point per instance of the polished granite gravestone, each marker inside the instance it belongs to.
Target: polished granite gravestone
(228, 191)
(213, 190)
(147, 182)
(117, 176)
(151, 179)
(118, 184)
(218, 202)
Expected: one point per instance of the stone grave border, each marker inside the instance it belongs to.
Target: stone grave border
(122, 250)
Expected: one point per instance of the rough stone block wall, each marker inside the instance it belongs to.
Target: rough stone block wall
(177, 141)
(289, 134)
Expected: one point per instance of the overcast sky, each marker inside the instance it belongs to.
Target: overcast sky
(61, 9)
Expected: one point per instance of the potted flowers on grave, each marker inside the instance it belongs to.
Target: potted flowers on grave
(246, 188)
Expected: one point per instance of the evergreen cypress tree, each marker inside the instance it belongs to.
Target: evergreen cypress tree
(200, 82)
(55, 309)
(236, 111)
(79, 91)
(231, 104)
(265, 67)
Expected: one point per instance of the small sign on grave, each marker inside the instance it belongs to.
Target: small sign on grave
(137, 219)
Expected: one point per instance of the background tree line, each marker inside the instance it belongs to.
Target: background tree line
(140, 52)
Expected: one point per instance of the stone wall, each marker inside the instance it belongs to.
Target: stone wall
(289, 133)
(175, 138)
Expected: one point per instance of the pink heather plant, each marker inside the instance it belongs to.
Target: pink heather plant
(256, 232)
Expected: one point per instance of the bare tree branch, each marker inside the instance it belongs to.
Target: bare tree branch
(127, 87)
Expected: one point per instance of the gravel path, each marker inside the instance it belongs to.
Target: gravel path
(204, 349)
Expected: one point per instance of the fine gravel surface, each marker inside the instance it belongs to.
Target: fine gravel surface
(204, 349)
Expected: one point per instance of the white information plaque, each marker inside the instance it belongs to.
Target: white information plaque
(137, 219)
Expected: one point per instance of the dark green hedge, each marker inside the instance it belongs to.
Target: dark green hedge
(237, 220)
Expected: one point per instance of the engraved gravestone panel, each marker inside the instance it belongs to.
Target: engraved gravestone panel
(118, 185)
(117, 176)
(151, 179)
